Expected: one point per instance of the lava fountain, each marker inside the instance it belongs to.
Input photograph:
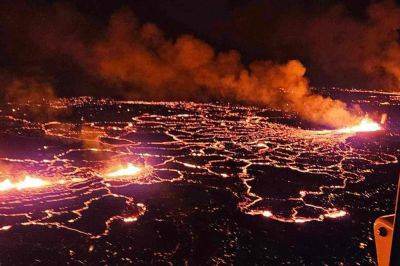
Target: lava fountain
(27, 183)
(129, 170)
(365, 125)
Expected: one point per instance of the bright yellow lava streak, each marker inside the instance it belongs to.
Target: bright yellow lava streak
(267, 214)
(5, 228)
(366, 125)
(130, 219)
(27, 183)
(336, 214)
(129, 170)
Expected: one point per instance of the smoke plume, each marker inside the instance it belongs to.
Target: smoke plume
(138, 61)
(341, 45)
(27, 90)
(367, 48)
(189, 68)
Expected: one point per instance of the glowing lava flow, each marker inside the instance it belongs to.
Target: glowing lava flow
(27, 183)
(366, 125)
(235, 149)
(130, 170)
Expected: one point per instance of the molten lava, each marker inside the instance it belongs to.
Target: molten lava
(27, 183)
(336, 213)
(204, 144)
(130, 219)
(267, 213)
(366, 125)
(129, 170)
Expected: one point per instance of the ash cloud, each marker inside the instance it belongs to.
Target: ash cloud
(368, 48)
(189, 68)
(26, 90)
(125, 58)
(342, 45)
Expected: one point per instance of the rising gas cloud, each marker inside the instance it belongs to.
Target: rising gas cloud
(341, 46)
(69, 52)
(140, 55)
(368, 48)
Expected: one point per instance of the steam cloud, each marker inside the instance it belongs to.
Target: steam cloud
(26, 90)
(137, 61)
(368, 48)
(341, 48)
(188, 67)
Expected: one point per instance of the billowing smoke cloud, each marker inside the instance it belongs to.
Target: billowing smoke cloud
(138, 62)
(367, 48)
(42, 50)
(32, 94)
(27, 90)
(341, 45)
(190, 68)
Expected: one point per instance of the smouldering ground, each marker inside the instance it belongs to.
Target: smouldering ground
(201, 183)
